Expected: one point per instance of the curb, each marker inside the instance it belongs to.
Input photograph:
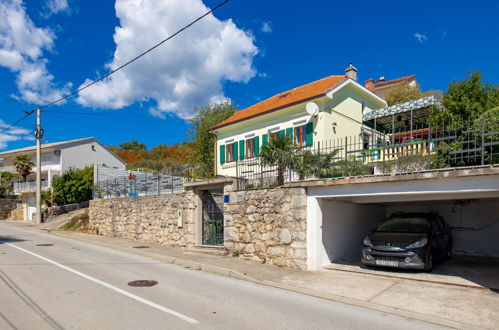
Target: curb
(227, 272)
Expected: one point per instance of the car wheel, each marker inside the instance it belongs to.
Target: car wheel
(428, 265)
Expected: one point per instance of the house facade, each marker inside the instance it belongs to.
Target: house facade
(340, 101)
(382, 87)
(56, 158)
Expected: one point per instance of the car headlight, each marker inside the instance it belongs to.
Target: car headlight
(417, 244)
(367, 242)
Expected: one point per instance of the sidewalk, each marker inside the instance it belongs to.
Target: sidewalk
(447, 305)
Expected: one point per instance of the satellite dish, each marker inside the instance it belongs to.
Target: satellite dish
(312, 108)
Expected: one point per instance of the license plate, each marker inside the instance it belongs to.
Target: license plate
(387, 263)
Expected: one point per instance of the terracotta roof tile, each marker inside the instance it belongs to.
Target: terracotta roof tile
(279, 101)
(388, 82)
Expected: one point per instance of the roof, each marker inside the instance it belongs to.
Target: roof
(393, 81)
(285, 99)
(60, 144)
(46, 146)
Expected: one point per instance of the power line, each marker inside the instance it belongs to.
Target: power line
(120, 67)
(94, 114)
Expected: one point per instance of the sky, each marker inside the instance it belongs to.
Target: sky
(246, 51)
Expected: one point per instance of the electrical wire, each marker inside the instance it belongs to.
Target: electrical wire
(95, 114)
(28, 113)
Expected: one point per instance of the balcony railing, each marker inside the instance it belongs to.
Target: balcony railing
(29, 185)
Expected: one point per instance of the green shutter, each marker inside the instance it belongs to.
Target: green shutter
(222, 154)
(256, 145)
(309, 134)
(234, 151)
(289, 132)
(281, 133)
(265, 140)
(241, 149)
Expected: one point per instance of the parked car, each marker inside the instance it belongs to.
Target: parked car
(408, 240)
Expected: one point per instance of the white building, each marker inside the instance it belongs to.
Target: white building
(57, 158)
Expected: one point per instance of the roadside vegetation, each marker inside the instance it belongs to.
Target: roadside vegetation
(77, 223)
(74, 186)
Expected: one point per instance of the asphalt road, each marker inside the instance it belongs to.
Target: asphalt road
(75, 285)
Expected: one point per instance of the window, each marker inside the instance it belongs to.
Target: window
(229, 153)
(365, 141)
(300, 137)
(250, 148)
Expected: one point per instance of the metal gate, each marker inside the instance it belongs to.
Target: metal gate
(213, 223)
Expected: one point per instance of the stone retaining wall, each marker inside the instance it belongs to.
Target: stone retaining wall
(268, 225)
(148, 218)
(7, 206)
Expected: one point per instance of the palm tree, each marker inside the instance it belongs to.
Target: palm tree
(280, 152)
(23, 165)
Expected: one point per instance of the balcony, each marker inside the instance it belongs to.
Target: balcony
(25, 186)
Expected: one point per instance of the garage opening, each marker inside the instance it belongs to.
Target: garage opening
(475, 234)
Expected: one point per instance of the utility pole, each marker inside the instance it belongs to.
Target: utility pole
(39, 136)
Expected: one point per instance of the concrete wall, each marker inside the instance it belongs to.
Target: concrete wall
(6, 207)
(148, 218)
(268, 225)
(88, 154)
(475, 222)
(344, 227)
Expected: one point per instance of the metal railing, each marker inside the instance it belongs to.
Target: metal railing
(18, 186)
(142, 184)
(441, 146)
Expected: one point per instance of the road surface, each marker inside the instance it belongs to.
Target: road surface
(75, 285)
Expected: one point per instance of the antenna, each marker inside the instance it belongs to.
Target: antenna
(312, 109)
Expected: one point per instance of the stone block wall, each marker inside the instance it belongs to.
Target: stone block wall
(268, 225)
(148, 218)
(7, 206)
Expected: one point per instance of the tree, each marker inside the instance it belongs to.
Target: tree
(201, 136)
(466, 99)
(403, 93)
(6, 187)
(23, 165)
(133, 145)
(278, 152)
(74, 186)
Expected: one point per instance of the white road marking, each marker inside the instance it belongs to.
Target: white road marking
(109, 286)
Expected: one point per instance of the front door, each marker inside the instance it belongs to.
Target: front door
(31, 206)
(213, 220)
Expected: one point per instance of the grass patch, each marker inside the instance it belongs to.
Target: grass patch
(78, 222)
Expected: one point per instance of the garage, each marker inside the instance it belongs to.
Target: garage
(342, 213)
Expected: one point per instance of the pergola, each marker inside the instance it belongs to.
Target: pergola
(402, 117)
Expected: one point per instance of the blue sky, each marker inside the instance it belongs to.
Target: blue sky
(248, 51)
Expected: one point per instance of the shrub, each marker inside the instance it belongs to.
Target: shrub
(74, 186)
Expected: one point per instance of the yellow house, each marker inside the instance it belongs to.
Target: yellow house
(339, 100)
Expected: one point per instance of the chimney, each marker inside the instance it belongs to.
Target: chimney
(370, 84)
(381, 79)
(351, 72)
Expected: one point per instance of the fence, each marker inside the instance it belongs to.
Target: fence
(373, 152)
(137, 183)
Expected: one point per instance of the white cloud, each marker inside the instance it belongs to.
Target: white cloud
(187, 71)
(13, 134)
(420, 37)
(55, 7)
(266, 27)
(21, 50)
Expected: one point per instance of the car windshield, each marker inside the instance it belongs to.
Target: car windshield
(401, 224)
